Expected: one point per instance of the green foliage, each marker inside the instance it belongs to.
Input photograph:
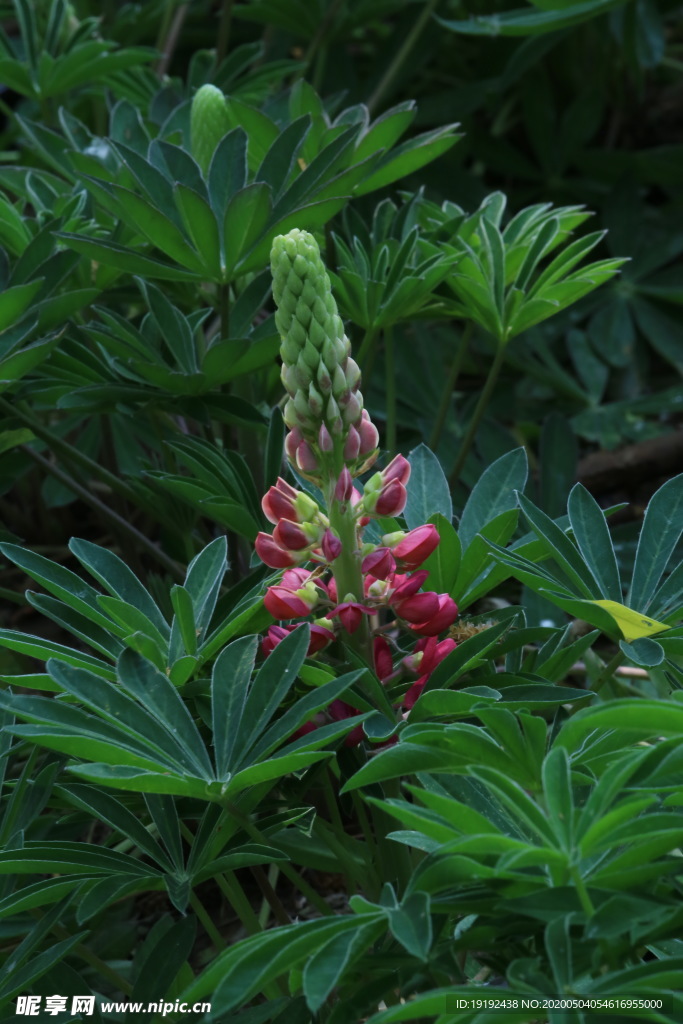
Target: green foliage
(192, 805)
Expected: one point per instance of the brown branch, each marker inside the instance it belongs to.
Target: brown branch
(603, 472)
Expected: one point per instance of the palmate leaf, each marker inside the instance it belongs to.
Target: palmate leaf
(139, 736)
(585, 580)
(504, 281)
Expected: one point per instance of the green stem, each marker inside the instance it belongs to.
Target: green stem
(609, 670)
(232, 890)
(264, 912)
(390, 370)
(449, 386)
(318, 47)
(107, 512)
(402, 54)
(346, 569)
(209, 927)
(69, 452)
(261, 878)
(395, 857)
(171, 39)
(356, 873)
(366, 346)
(480, 408)
(582, 892)
(287, 870)
(331, 800)
(374, 886)
(224, 31)
(224, 310)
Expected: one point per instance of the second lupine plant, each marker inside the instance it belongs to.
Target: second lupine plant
(347, 587)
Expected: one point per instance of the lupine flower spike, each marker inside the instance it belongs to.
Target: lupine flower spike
(332, 575)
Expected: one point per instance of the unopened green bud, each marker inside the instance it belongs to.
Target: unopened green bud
(324, 389)
(209, 122)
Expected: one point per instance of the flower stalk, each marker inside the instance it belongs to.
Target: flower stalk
(331, 574)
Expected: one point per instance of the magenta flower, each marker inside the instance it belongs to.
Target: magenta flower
(398, 469)
(392, 499)
(270, 552)
(415, 546)
(350, 614)
(444, 617)
(379, 563)
(418, 608)
(384, 663)
(331, 546)
(285, 604)
(320, 638)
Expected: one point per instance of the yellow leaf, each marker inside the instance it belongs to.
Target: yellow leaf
(631, 623)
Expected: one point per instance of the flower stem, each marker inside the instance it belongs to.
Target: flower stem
(402, 55)
(480, 408)
(449, 386)
(346, 568)
(366, 347)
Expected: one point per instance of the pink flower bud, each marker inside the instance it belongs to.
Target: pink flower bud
(273, 637)
(350, 405)
(392, 499)
(292, 442)
(344, 486)
(398, 469)
(418, 608)
(376, 589)
(416, 546)
(331, 546)
(350, 614)
(444, 617)
(352, 445)
(380, 563)
(305, 458)
(413, 693)
(286, 604)
(325, 442)
(369, 435)
(384, 663)
(320, 638)
(291, 536)
(278, 502)
(292, 579)
(435, 651)
(406, 586)
(270, 552)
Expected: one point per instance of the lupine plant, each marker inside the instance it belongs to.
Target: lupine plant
(312, 721)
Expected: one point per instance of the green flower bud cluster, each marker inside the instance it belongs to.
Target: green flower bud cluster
(209, 122)
(318, 372)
